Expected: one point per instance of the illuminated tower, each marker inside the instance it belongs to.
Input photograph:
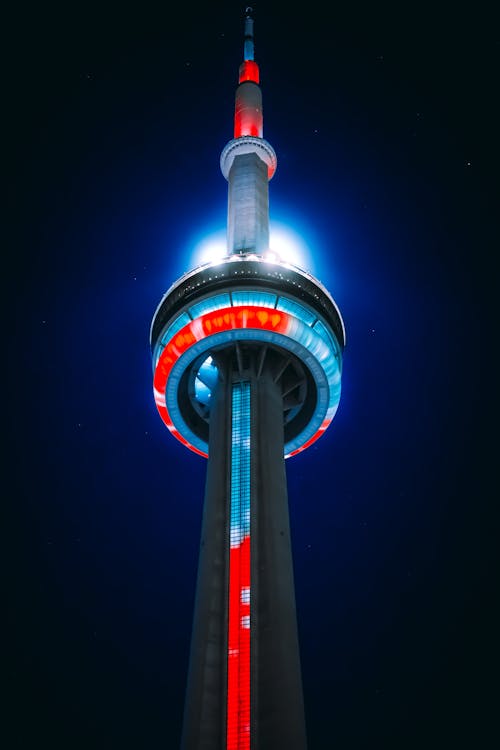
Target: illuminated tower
(247, 357)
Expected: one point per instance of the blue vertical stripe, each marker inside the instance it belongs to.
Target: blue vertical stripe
(240, 463)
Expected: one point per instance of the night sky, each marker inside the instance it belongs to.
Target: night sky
(382, 118)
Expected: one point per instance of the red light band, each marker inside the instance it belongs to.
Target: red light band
(238, 663)
(249, 71)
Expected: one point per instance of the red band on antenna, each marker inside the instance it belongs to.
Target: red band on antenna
(249, 71)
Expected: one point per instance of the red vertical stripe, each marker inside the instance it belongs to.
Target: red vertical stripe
(238, 662)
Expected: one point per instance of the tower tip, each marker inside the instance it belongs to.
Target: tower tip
(248, 50)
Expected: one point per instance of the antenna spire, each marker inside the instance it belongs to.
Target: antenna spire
(248, 50)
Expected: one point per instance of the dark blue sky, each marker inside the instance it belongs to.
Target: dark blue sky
(382, 119)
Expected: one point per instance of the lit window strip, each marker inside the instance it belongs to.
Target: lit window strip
(239, 299)
(175, 327)
(238, 663)
(300, 312)
(210, 304)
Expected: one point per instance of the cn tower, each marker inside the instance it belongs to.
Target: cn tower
(247, 360)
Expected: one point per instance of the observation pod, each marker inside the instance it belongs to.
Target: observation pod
(255, 313)
(247, 361)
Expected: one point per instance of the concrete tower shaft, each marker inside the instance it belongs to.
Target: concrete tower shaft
(248, 205)
(260, 683)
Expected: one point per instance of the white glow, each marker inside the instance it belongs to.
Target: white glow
(289, 246)
(284, 244)
(272, 257)
(210, 249)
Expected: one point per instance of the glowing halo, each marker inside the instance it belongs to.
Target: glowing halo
(284, 245)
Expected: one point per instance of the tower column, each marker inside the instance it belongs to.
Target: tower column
(248, 205)
(273, 666)
(204, 725)
(277, 701)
